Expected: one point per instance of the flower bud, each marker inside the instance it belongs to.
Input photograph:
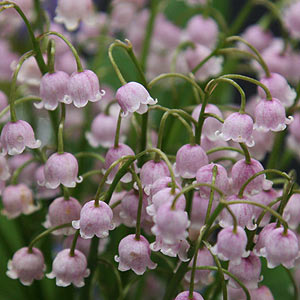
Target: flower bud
(69, 269)
(135, 255)
(15, 136)
(26, 265)
(291, 211)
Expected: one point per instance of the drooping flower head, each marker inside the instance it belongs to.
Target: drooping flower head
(15, 136)
(61, 168)
(134, 254)
(69, 269)
(26, 265)
(94, 220)
(82, 88)
(133, 97)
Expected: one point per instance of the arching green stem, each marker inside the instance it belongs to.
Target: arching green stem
(201, 119)
(5, 110)
(17, 172)
(91, 173)
(90, 154)
(274, 171)
(170, 75)
(249, 79)
(193, 186)
(35, 44)
(273, 212)
(220, 270)
(113, 62)
(162, 127)
(235, 223)
(13, 86)
(73, 246)
(72, 48)
(213, 83)
(213, 150)
(182, 46)
(246, 153)
(107, 172)
(180, 112)
(230, 275)
(210, 115)
(260, 59)
(235, 51)
(51, 55)
(45, 233)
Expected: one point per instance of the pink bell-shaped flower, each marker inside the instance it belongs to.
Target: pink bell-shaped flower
(247, 271)
(94, 220)
(189, 158)
(159, 184)
(210, 125)
(180, 248)
(69, 269)
(185, 296)
(134, 254)
(279, 89)
(62, 211)
(260, 246)
(242, 171)
(208, 34)
(103, 130)
(114, 154)
(61, 168)
(15, 136)
(270, 115)
(281, 248)
(231, 245)
(82, 88)
(238, 127)
(204, 258)
(17, 199)
(242, 211)
(205, 174)
(151, 171)
(164, 196)
(26, 265)
(53, 89)
(170, 224)
(70, 13)
(133, 97)
(291, 211)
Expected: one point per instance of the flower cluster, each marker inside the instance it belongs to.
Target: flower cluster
(177, 181)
